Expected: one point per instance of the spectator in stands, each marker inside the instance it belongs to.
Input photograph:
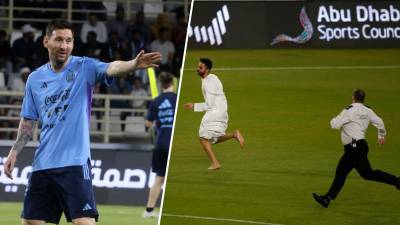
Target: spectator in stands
(5, 51)
(42, 55)
(165, 47)
(96, 26)
(114, 46)
(118, 25)
(116, 89)
(162, 21)
(179, 39)
(23, 49)
(138, 91)
(136, 43)
(93, 48)
(127, 85)
(78, 46)
(18, 83)
(140, 24)
(4, 48)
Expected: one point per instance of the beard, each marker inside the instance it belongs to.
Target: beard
(200, 73)
(61, 59)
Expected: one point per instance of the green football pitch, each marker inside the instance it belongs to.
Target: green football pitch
(109, 215)
(282, 101)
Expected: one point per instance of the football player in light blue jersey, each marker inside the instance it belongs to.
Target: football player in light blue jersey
(59, 96)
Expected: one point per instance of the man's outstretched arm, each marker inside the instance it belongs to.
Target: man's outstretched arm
(142, 61)
(25, 133)
(209, 102)
(202, 106)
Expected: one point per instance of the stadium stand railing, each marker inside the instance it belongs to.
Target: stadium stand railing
(102, 127)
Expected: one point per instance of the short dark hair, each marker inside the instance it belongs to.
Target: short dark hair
(206, 62)
(166, 79)
(58, 25)
(93, 14)
(3, 33)
(359, 95)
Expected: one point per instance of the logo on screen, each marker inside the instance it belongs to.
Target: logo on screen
(302, 38)
(214, 32)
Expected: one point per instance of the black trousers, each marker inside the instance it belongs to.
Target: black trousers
(356, 156)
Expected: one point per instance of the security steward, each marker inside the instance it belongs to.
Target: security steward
(353, 123)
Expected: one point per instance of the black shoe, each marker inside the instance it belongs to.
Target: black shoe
(398, 183)
(322, 200)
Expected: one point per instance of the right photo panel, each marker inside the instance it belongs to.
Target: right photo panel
(288, 114)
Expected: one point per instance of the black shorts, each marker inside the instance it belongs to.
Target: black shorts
(53, 191)
(160, 160)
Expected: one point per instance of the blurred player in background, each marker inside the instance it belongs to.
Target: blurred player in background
(353, 123)
(215, 120)
(58, 95)
(162, 112)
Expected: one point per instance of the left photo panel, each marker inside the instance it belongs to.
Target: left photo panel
(88, 92)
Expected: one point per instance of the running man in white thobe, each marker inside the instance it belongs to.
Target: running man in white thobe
(215, 120)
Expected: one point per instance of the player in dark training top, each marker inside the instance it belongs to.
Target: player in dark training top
(162, 112)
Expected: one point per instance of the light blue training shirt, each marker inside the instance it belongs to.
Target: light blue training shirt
(61, 102)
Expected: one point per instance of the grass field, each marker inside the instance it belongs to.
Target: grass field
(109, 215)
(290, 149)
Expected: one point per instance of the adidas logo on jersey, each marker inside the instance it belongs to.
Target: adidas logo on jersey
(44, 85)
(87, 207)
(165, 104)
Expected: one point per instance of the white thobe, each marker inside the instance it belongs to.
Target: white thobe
(215, 120)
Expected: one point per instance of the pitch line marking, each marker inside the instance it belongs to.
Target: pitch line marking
(218, 219)
(301, 68)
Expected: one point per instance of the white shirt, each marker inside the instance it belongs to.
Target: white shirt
(138, 93)
(166, 48)
(215, 104)
(100, 29)
(17, 85)
(354, 120)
